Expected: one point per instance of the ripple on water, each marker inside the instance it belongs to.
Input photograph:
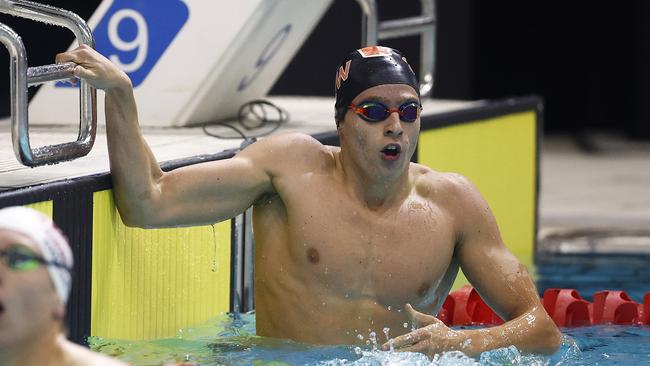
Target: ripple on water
(230, 340)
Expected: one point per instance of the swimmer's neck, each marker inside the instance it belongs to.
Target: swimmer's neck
(374, 190)
(35, 351)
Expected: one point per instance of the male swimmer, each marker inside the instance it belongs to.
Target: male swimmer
(35, 278)
(348, 240)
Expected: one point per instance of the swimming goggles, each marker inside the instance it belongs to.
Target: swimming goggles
(19, 259)
(377, 112)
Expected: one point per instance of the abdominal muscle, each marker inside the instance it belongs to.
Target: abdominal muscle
(329, 320)
(323, 289)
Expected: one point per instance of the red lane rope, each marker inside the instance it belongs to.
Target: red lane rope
(565, 306)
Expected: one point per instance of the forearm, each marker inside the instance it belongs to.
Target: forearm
(134, 169)
(532, 332)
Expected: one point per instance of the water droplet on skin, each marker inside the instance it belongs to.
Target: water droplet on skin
(347, 295)
(386, 330)
(389, 308)
(360, 337)
(405, 325)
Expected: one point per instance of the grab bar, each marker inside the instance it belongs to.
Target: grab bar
(22, 77)
(423, 25)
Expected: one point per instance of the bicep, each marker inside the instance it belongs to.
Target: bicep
(210, 192)
(501, 279)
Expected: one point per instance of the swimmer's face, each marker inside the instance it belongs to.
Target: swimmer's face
(29, 305)
(386, 145)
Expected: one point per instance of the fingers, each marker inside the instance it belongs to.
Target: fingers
(64, 57)
(79, 55)
(68, 57)
(419, 318)
(406, 340)
(420, 347)
(82, 73)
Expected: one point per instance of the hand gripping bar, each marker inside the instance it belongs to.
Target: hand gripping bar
(22, 77)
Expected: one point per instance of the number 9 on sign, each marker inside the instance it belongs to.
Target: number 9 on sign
(134, 34)
(138, 44)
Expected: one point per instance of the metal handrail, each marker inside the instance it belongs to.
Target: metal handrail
(424, 25)
(22, 77)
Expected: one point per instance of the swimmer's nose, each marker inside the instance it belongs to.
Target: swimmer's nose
(393, 126)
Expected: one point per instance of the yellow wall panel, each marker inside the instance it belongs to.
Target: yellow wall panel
(148, 283)
(45, 207)
(499, 155)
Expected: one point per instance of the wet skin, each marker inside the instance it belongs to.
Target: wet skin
(345, 237)
(28, 299)
(346, 259)
(31, 315)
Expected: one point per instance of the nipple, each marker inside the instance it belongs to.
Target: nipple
(313, 256)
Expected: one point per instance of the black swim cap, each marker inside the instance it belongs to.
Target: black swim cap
(368, 67)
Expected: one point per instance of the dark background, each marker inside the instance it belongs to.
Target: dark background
(588, 59)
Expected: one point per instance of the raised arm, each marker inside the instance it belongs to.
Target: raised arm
(502, 281)
(145, 195)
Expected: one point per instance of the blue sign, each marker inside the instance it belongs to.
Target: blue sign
(134, 34)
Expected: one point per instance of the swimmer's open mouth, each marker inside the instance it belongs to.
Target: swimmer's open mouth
(391, 151)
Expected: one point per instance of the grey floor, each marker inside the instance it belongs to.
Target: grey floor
(605, 189)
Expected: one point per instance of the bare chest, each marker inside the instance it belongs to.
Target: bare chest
(395, 256)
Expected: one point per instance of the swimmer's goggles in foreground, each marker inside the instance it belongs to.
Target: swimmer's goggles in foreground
(19, 258)
(377, 112)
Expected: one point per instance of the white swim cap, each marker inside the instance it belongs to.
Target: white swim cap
(52, 244)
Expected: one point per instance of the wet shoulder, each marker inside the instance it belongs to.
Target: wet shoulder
(441, 187)
(290, 151)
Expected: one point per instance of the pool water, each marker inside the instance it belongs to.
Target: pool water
(591, 273)
(230, 340)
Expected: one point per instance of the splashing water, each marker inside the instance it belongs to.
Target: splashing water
(230, 339)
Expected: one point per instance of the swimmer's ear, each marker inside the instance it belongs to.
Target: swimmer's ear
(59, 312)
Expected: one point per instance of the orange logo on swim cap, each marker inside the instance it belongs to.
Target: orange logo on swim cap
(374, 51)
(342, 74)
